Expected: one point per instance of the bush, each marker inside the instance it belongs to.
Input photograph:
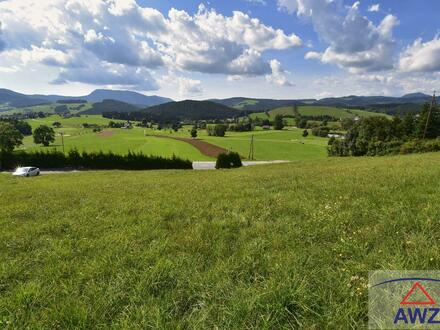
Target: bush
(418, 146)
(278, 123)
(241, 127)
(216, 130)
(302, 123)
(322, 131)
(93, 160)
(194, 132)
(228, 160)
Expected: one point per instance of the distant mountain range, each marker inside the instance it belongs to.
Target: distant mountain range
(252, 104)
(17, 100)
(353, 100)
(127, 101)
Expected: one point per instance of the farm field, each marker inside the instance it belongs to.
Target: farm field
(268, 145)
(315, 111)
(274, 145)
(288, 144)
(116, 140)
(280, 246)
(49, 108)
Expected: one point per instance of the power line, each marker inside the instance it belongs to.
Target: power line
(251, 149)
(433, 103)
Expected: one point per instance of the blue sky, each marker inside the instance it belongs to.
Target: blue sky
(218, 49)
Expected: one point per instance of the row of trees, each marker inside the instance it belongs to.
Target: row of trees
(12, 135)
(380, 135)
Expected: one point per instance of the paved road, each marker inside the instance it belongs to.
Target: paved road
(196, 166)
(211, 165)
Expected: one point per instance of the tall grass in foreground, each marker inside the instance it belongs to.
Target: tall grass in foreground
(284, 246)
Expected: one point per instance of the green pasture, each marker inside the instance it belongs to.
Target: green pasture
(274, 145)
(268, 144)
(268, 247)
(72, 122)
(315, 111)
(48, 108)
(288, 144)
(119, 141)
(245, 103)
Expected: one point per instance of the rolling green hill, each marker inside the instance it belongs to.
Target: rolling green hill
(268, 145)
(110, 106)
(50, 108)
(269, 247)
(251, 104)
(190, 110)
(312, 111)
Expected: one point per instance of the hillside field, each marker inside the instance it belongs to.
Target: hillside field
(272, 247)
(49, 108)
(315, 111)
(268, 145)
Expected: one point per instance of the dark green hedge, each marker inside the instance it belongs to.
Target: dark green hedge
(92, 160)
(229, 160)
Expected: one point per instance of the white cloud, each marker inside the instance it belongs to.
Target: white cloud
(11, 69)
(189, 86)
(260, 2)
(186, 86)
(2, 43)
(355, 43)
(109, 74)
(291, 6)
(421, 56)
(278, 76)
(374, 8)
(123, 35)
(313, 56)
(234, 78)
(390, 83)
(209, 42)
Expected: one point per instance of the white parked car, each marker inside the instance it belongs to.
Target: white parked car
(27, 171)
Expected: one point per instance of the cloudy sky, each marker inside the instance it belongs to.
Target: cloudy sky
(216, 49)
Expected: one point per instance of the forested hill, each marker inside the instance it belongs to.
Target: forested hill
(110, 106)
(191, 110)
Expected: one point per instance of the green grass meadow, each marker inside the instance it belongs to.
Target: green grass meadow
(288, 144)
(315, 111)
(48, 108)
(267, 247)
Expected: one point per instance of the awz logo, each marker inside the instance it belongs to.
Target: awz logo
(417, 315)
(404, 302)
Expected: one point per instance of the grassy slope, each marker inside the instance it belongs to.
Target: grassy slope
(245, 103)
(316, 111)
(262, 247)
(120, 142)
(47, 108)
(269, 145)
(73, 122)
(274, 145)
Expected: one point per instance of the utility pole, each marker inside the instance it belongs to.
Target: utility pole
(251, 149)
(433, 103)
(62, 140)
